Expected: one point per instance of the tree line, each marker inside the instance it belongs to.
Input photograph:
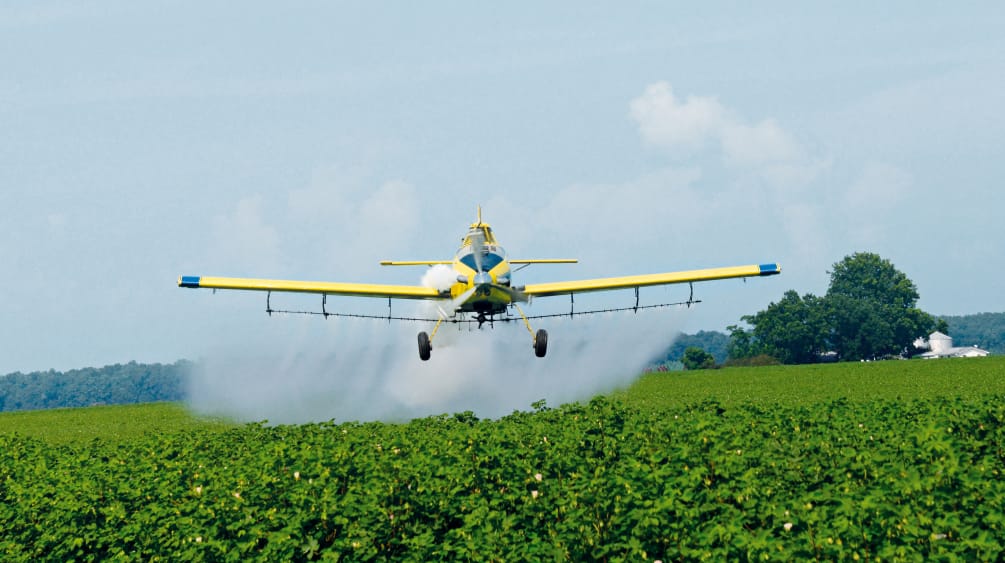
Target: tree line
(869, 312)
(985, 330)
(110, 385)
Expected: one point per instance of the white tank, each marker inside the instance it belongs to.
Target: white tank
(940, 343)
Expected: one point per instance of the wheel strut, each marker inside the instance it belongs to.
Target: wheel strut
(426, 342)
(539, 340)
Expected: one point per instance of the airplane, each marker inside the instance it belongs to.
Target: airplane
(483, 288)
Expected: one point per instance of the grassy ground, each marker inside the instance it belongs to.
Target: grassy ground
(777, 470)
(783, 385)
(805, 385)
(112, 423)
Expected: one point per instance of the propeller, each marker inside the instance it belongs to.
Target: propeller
(477, 239)
(455, 304)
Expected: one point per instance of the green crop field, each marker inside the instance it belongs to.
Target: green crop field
(883, 461)
(112, 423)
(809, 384)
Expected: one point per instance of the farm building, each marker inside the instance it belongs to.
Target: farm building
(941, 346)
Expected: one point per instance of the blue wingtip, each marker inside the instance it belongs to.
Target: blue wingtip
(189, 281)
(770, 269)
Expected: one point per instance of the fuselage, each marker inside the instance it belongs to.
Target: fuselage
(482, 266)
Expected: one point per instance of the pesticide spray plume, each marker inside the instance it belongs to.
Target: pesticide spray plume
(304, 369)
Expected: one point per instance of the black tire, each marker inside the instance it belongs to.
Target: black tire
(541, 343)
(424, 346)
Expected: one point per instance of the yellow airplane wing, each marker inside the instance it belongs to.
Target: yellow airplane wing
(606, 284)
(435, 262)
(330, 288)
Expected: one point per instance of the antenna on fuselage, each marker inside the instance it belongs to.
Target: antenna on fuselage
(479, 215)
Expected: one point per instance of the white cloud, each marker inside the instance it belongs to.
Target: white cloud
(764, 143)
(769, 189)
(683, 128)
(668, 123)
(351, 221)
(389, 217)
(868, 204)
(243, 241)
(879, 188)
(662, 211)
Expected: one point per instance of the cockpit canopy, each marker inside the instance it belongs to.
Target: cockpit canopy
(480, 239)
(479, 230)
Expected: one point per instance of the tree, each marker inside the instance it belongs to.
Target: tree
(117, 384)
(741, 343)
(696, 358)
(986, 330)
(871, 308)
(869, 311)
(715, 343)
(793, 330)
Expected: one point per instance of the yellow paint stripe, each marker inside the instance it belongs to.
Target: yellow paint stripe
(605, 284)
(331, 288)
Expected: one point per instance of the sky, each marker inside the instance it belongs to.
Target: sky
(144, 141)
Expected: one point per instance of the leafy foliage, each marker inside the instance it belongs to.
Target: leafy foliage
(713, 342)
(872, 308)
(114, 423)
(112, 385)
(793, 330)
(611, 479)
(986, 330)
(869, 312)
(696, 358)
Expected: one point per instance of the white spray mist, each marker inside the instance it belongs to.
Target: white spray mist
(304, 369)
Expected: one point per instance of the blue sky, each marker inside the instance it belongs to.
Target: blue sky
(139, 142)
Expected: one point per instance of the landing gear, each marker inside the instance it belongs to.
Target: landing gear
(541, 343)
(424, 346)
(540, 339)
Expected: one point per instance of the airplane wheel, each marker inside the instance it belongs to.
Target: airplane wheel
(424, 346)
(541, 343)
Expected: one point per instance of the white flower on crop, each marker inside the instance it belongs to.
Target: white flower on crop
(538, 477)
(787, 526)
(296, 475)
(534, 494)
(237, 494)
(198, 539)
(198, 490)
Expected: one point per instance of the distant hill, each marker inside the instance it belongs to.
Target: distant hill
(118, 384)
(984, 330)
(713, 342)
